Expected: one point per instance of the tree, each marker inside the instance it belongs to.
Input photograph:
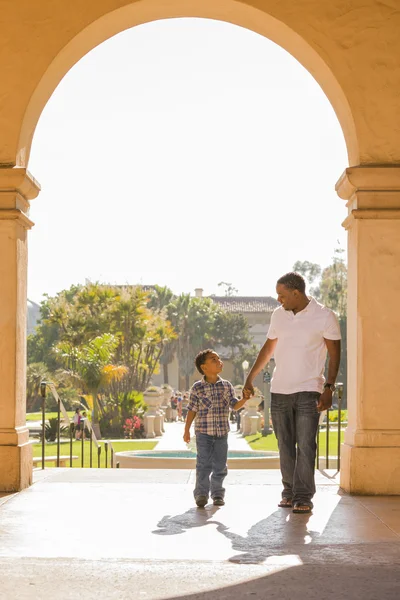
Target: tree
(161, 299)
(310, 271)
(248, 353)
(81, 314)
(35, 374)
(333, 286)
(229, 290)
(231, 330)
(90, 365)
(193, 319)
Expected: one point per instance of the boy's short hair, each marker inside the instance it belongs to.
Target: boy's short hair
(293, 281)
(201, 359)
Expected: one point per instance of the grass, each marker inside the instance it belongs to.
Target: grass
(37, 416)
(51, 450)
(257, 442)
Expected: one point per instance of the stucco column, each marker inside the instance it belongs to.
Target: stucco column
(371, 452)
(17, 187)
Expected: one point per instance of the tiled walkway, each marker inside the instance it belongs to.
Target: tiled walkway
(136, 534)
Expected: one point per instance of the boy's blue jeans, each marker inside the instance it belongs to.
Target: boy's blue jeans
(295, 421)
(212, 454)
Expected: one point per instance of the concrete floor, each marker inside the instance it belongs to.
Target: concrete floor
(136, 534)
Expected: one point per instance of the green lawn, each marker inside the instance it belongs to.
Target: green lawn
(257, 442)
(37, 416)
(51, 450)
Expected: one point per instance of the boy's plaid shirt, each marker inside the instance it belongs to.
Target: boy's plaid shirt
(211, 402)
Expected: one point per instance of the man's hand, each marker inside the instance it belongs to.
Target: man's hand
(246, 394)
(248, 389)
(186, 436)
(325, 400)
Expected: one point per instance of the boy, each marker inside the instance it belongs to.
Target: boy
(209, 402)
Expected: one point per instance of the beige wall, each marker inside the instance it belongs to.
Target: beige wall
(351, 48)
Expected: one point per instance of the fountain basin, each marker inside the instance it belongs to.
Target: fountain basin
(184, 459)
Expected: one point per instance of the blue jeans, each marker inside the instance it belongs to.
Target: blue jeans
(295, 421)
(212, 454)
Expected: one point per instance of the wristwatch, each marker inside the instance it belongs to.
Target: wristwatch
(331, 386)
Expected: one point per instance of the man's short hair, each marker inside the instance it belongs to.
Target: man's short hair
(293, 281)
(201, 359)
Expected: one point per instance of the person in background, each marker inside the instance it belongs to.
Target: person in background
(77, 423)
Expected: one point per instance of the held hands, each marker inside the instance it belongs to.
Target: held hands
(246, 394)
(186, 436)
(248, 390)
(325, 400)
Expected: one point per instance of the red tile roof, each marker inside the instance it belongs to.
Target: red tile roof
(246, 304)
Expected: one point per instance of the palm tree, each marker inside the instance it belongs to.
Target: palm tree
(90, 365)
(35, 374)
(161, 300)
(193, 319)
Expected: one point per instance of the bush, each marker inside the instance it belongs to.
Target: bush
(133, 428)
(115, 412)
(50, 430)
(334, 416)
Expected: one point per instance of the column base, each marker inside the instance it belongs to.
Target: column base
(15, 467)
(370, 471)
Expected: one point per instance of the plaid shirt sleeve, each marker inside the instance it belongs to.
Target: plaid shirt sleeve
(193, 404)
(232, 396)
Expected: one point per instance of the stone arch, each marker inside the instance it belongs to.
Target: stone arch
(238, 13)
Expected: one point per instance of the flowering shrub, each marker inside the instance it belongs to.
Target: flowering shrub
(133, 427)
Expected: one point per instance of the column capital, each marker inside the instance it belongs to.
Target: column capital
(17, 188)
(19, 180)
(372, 192)
(368, 179)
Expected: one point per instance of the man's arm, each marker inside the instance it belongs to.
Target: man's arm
(333, 347)
(262, 359)
(189, 420)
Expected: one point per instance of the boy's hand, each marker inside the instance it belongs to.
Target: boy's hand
(186, 436)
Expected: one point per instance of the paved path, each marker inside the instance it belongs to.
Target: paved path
(173, 438)
(133, 534)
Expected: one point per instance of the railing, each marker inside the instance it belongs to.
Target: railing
(330, 460)
(85, 426)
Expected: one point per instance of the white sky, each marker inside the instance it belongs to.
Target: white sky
(185, 152)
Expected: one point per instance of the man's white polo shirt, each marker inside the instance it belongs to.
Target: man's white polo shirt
(300, 353)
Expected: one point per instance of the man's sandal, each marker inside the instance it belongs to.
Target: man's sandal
(285, 503)
(300, 508)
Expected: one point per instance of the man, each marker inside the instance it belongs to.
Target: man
(301, 333)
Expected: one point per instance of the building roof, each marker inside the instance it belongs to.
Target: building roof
(246, 304)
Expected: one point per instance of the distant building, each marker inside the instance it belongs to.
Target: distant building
(33, 316)
(256, 309)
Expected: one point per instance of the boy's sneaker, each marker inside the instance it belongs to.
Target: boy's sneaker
(218, 501)
(201, 501)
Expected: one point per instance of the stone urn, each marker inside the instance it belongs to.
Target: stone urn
(153, 419)
(165, 403)
(250, 422)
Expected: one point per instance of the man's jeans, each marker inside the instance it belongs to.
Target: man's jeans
(295, 421)
(212, 454)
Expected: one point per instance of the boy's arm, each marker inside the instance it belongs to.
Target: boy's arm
(189, 420)
(239, 404)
